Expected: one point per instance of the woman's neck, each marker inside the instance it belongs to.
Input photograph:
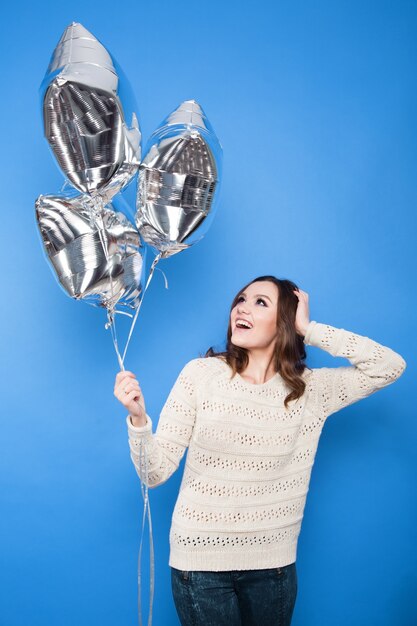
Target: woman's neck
(259, 369)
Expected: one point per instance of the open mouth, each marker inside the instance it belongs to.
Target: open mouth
(242, 325)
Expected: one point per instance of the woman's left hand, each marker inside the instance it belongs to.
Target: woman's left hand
(302, 316)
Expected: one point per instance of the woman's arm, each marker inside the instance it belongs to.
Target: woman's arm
(374, 366)
(165, 448)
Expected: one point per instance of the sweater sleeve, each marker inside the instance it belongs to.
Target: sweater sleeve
(374, 366)
(165, 448)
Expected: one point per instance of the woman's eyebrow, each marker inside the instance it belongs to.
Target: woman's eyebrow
(258, 294)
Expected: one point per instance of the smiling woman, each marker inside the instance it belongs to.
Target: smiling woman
(269, 343)
(251, 417)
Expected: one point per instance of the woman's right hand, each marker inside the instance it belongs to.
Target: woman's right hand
(128, 392)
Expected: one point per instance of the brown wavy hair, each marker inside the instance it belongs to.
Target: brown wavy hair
(289, 354)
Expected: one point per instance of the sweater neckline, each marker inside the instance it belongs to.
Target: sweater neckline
(265, 384)
(270, 381)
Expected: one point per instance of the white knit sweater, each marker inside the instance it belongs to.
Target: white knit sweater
(247, 471)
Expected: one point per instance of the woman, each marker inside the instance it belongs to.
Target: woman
(251, 417)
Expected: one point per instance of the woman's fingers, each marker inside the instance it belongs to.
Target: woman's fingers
(120, 392)
(127, 390)
(131, 387)
(134, 403)
(300, 292)
(130, 399)
(123, 375)
(132, 395)
(123, 378)
(126, 386)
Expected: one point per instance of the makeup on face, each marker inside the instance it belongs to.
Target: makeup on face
(253, 311)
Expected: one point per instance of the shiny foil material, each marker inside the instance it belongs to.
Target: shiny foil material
(178, 181)
(84, 121)
(95, 251)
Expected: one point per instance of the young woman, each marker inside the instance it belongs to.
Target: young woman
(251, 418)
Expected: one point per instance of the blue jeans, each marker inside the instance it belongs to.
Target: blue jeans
(235, 598)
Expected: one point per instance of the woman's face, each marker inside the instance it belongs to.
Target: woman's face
(257, 305)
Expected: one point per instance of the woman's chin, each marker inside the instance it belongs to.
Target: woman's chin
(238, 341)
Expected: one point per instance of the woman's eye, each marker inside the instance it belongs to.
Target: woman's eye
(258, 300)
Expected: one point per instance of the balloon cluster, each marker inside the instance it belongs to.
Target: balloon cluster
(97, 253)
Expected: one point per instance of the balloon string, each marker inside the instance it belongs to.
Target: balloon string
(155, 261)
(147, 506)
(112, 325)
(98, 214)
(112, 320)
(144, 488)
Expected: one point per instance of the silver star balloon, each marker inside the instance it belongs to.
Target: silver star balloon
(84, 120)
(178, 181)
(95, 251)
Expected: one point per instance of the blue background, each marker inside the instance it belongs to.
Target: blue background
(315, 106)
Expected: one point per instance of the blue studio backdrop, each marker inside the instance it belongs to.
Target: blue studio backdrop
(315, 106)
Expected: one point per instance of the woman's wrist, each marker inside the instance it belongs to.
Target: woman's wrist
(302, 331)
(138, 422)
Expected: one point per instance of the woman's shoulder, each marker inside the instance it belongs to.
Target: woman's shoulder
(210, 364)
(208, 361)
